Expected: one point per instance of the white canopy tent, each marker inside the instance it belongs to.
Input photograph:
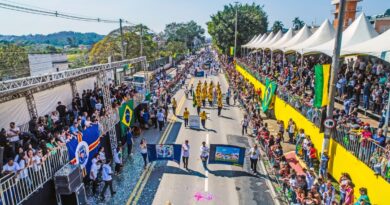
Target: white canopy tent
(266, 40)
(251, 41)
(375, 45)
(252, 45)
(359, 31)
(301, 36)
(323, 34)
(286, 37)
(276, 38)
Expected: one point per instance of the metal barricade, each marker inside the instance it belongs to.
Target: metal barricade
(16, 188)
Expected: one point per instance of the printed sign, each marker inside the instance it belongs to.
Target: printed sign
(164, 152)
(226, 154)
(194, 122)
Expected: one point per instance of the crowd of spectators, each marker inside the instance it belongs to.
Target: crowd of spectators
(300, 188)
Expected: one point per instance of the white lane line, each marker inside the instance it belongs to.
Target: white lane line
(206, 179)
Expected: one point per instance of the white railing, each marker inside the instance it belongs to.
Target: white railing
(16, 188)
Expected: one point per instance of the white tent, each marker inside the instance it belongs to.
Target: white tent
(251, 41)
(286, 37)
(258, 41)
(301, 36)
(323, 34)
(360, 30)
(373, 46)
(276, 38)
(268, 39)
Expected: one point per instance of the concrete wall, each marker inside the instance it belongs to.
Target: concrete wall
(340, 159)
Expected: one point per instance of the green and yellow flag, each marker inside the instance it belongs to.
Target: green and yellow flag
(232, 51)
(321, 85)
(126, 115)
(270, 88)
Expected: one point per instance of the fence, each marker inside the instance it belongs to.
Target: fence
(16, 188)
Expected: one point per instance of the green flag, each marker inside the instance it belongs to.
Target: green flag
(231, 51)
(194, 100)
(321, 84)
(126, 115)
(270, 87)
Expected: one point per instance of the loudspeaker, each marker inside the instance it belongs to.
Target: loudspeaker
(79, 197)
(68, 179)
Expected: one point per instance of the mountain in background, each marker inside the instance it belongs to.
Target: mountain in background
(61, 39)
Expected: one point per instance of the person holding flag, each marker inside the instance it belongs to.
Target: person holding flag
(186, 115)
(174, 105)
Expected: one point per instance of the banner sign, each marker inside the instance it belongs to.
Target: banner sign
(194, 122)
(227, 154)
(164, 152)
(270, 87)
(83, 147)
(126, 115)
(200, 73)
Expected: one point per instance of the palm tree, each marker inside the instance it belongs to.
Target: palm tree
(277, 26)
(297, 23)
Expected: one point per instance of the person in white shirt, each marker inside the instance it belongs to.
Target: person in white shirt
(118, 160)
(13, 135)
(102, 155)
(38, 160)
(144, 151)
(185, 153)
(204, 154)
(10, 167)
(160, 119)
(107, 178)
(93, 173)
(254, 154)
(98, 105)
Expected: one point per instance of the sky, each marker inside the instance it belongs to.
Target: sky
(157, 13)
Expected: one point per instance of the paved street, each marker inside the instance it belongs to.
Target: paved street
(222, 184)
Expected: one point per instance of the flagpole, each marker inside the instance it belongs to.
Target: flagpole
(235, 31)
(333, 75)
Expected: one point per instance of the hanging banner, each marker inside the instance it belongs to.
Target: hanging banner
(126, 115)
(270, 87)
(83, 147)
(227, 154)
(194, 122)
(164, 152)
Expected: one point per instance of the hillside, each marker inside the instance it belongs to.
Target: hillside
(56, 39)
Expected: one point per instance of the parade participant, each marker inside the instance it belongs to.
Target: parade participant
(204, 96)
(185, 153)
(192, 90)
(219, 106)
(210, 98)
(186, 115)
(93, 173)
(118, 160)
(245, 124)
(129, 141)
(144, 151)
(198, 103)
(254, 154)
(203, 117)
(174, 105)
(204, 154)
(107, 178)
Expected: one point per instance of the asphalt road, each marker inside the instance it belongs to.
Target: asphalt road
(222, 184)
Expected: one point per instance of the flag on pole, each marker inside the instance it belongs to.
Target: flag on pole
(232, 51)
(270, 88)
(321, 85)
(126, 115)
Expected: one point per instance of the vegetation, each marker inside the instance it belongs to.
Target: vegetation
(189, 33)
(277, 26)
(252, 20)
(13, 61)
(297, 23)
(60, 39)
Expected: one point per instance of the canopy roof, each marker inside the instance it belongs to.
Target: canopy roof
(268, 39)
(301, 36)
(374, 46)
(276, 38)
(286, 37)
(257, 41)
(251, 41)
(360, 30)
(323, 34)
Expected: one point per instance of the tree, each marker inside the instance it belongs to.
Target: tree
(252, 20)
(277, 26)
(175, 47)
(297, 23)
(13, 61)
(188, 33)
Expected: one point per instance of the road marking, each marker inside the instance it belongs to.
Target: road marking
(206, 181)
(136, 193)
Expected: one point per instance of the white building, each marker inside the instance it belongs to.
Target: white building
(47, 63)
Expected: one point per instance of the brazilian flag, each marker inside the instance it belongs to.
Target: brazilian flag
(321, 85)
(126, 115)
(270, 87)
(232, 51)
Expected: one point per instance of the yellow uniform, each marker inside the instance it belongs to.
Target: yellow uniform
(186, 114)
(203, 116)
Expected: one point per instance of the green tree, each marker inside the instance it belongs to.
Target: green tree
(252, 20)
(277, 26)
(188, 33)
(13, 61)
(175, 47)
(297, 23)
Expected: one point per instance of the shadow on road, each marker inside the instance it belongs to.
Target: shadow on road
(226, 117)
(177, 170)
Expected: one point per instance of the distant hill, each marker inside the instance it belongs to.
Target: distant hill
(56, 39)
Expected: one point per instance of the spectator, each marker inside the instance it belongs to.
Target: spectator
(363, 199)
(10, 167)
(61, 109)
(13, 136)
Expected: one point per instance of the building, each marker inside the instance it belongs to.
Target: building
(381, 22)
(47, 63)
(351, 9)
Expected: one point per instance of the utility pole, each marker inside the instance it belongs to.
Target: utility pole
(235, 32)
(333, 75)
(122, 40)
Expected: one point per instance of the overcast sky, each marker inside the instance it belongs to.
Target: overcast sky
(157, 13)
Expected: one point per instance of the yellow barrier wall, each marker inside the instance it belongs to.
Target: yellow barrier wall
(340, 159)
